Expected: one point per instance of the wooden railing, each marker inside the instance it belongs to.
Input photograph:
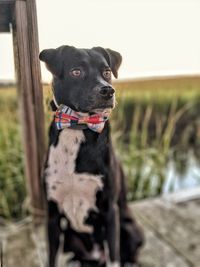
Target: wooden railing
(19, 17)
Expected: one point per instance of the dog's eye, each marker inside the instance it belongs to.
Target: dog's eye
(107, 74)
(76, 73)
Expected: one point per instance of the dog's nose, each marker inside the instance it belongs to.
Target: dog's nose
(107, 91)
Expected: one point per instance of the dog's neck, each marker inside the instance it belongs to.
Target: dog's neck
(65, 117)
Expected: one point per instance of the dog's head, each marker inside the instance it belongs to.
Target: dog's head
(82, 77)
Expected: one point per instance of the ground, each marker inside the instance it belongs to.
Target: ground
(171, 225)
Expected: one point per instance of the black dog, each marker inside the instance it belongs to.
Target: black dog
(84, 181)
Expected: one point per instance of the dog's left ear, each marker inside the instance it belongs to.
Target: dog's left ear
(113, 58)
(53, 60)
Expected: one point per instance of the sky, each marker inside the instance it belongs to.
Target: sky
(155, 37)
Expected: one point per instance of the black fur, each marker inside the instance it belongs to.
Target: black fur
(113, 222)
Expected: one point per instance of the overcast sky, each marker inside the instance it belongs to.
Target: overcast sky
(154, 36)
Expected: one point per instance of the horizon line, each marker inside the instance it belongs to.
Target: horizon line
(137, 77)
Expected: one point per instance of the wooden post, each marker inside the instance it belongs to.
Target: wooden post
(25, 40)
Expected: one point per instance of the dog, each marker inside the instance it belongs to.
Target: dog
(84, 181)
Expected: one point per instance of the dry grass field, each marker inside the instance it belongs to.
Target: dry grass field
(155, 121)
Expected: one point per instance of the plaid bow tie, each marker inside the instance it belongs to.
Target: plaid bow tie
(65, 117)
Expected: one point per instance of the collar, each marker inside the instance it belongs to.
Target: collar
(65, 117)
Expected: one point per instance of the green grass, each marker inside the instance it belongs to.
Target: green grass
(144, 157)
(153, 119)
(160, 90)
(12, 189)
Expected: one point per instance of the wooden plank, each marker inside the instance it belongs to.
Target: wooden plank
(183, 195)
(190, 213)
(29, 103)
(19, 248)
(4, 28)
(6, 10)
(36, 79)
(7, 1)
(24, 239)
(170, 225)
(149, 256)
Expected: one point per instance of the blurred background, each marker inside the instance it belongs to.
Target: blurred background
(156, 123)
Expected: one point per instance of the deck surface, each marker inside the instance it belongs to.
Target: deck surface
(171, 225)
(172, 230)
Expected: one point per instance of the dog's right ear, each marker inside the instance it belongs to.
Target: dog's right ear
(53, 60)
(113, 58)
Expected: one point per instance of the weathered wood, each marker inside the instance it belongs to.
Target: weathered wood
(168, 235)
(183, 196)
(173, 226)
(19, 248)
(8, 1)
(26, 52)
(6, 10)
(156, 252)
(22, 15)
(36, 79)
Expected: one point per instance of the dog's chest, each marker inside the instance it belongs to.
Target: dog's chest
(75, 193)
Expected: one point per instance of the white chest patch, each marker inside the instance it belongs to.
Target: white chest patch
(75, 193)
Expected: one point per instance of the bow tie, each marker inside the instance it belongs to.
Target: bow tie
(65, 117)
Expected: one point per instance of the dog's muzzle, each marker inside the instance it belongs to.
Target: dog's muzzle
(106, 92)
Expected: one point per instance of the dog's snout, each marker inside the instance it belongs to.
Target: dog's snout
(107, 91)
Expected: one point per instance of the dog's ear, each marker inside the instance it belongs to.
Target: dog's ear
(113, 58)
(53, 60)
(115, 61)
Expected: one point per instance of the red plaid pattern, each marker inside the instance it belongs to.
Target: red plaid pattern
(65, 117)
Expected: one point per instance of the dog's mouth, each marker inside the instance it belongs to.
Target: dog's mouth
(102, 111)
(107, 109)
(103, 107)
(93, 106)
(98, 109)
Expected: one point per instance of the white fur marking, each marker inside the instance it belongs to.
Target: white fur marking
(74, 192)
(63, 224)
(96, 252)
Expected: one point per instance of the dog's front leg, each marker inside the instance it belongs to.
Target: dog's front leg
(53, 232)
(113, 236)
(53, 236)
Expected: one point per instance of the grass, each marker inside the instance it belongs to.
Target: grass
(153, 121)
(160, 90)
(156, 121)
(12, 182)
(145, 162)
